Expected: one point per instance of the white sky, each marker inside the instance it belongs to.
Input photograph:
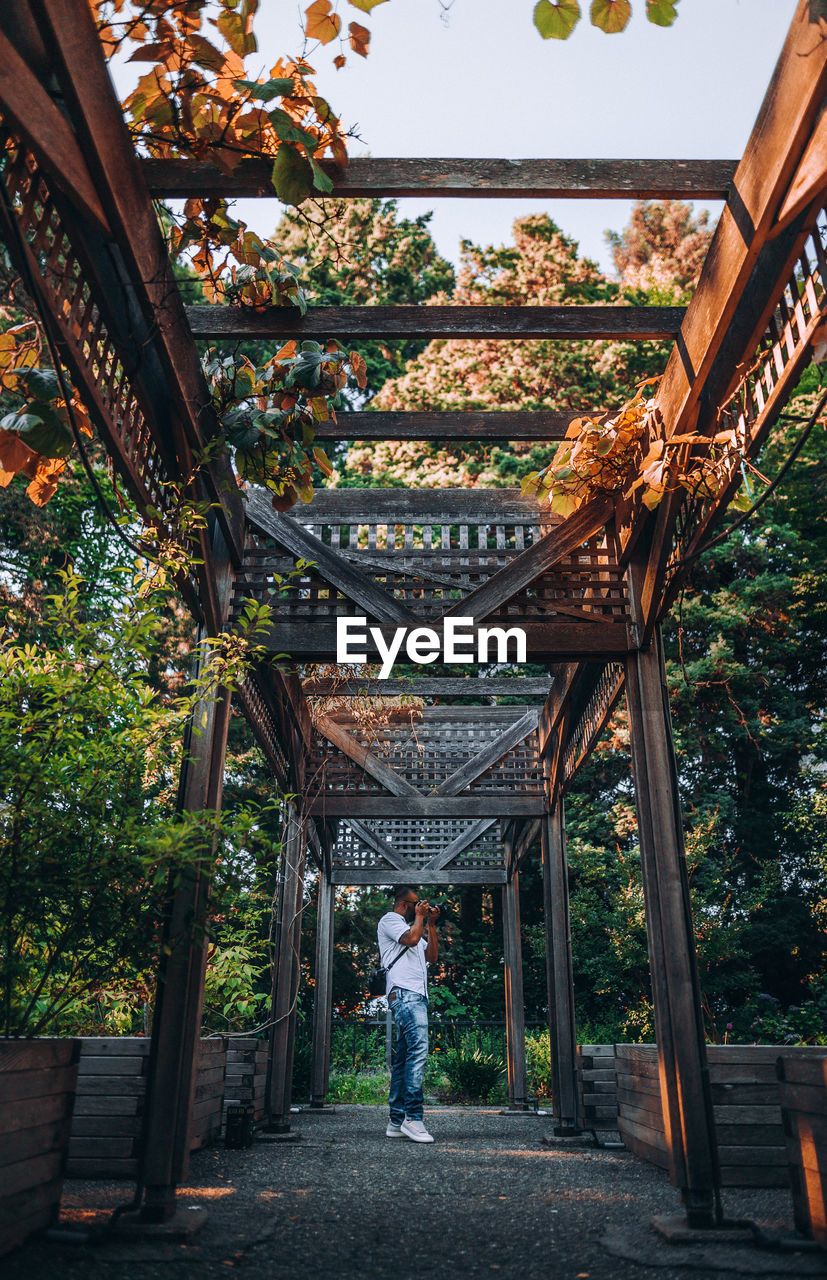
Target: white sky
(481, 82)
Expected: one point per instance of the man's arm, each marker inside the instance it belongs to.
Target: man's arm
(411, 937)
(432, 948)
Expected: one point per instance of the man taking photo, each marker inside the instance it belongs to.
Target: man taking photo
(408, 943)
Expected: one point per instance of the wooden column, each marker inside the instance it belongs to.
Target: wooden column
(684, 1079)
(179, 997)
(322, 1008)
(559, 977)
(286, 975)
(514, 1010)
(176, 1021)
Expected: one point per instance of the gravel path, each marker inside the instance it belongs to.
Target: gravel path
(487, 1199)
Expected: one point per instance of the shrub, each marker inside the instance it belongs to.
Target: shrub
(538, 1064)
(368, 1088)
(473, 1075)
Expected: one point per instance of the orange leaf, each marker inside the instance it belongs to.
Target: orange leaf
(339, 61)
(358, 368)
(321, 23)
(359, 39)
(286, 352)
(44, 485)
(14, 455)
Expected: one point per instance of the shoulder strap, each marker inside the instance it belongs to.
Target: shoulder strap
(405, 948)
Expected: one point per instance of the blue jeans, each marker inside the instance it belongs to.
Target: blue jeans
(410, 1013)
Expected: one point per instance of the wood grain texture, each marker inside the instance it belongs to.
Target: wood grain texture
(392, 177)
(512, 323)
(462, 425)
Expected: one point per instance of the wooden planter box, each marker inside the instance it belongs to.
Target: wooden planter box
(245, 1078)
(747, 1105)
(597, 1086)
(37, 1090)
(802, 1088)
(106, 1129)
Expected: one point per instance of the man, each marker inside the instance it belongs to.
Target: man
(408, 943)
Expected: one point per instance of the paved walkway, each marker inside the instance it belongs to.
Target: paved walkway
(486, 1200)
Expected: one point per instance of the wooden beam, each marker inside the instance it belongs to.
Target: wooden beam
(232, 324)
(392, 178)
(514, 998)
(422, 506)
(524, 841)
(322, 993)
(552, 641)
(344, 804)
(334, 567)
(365, 759)
(380, 846)
(441, 687)
(461, 425)
(38, 120)
(810, 180)
(459, 845)
(541, 556)
(453, 875)
(489, 755)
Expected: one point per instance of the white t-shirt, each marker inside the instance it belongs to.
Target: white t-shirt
(411, 970)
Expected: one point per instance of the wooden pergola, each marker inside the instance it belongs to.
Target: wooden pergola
(461, 796)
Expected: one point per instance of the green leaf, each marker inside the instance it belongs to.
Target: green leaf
(664, 12)
(320, 179)
(266, 92)
(292, 175)
(288, 131)
(556, 19)
(611, 16)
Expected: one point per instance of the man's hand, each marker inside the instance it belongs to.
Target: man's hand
(433, 913)
(422, 909)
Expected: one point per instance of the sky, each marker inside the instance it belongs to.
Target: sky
(477, 80)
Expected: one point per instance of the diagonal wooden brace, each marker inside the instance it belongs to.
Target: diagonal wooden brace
(489, 754)
(333, 567)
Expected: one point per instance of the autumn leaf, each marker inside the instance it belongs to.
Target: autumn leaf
(359, 39)
(556, 19)
(44, 484)
(611, 16)
(237, 31)
(292, 175)
(663, 12)
(366, 5)
(358, 368)
(321, 23)
(205, 54)
(323, 462)
(339, 61)
(14, 455)
(318, 405)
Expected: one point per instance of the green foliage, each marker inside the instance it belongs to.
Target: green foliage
(538, 1064)
(472, 1074)
(367, 1088)
(556, 19)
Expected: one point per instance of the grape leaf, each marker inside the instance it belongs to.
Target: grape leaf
(556, 19)
(321, 24)
(266, 92)
(292, 175)
(359, 39)
(611, 16)
(663, 12)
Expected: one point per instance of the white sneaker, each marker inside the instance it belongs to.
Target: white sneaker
(393, 1130)
(415, 1130)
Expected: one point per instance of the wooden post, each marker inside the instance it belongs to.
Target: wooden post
(176, 1022)
(684, 1078)
(559, 977)
(176, 1019)
(514, 1010)
(285, 975)
(322, 1008)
